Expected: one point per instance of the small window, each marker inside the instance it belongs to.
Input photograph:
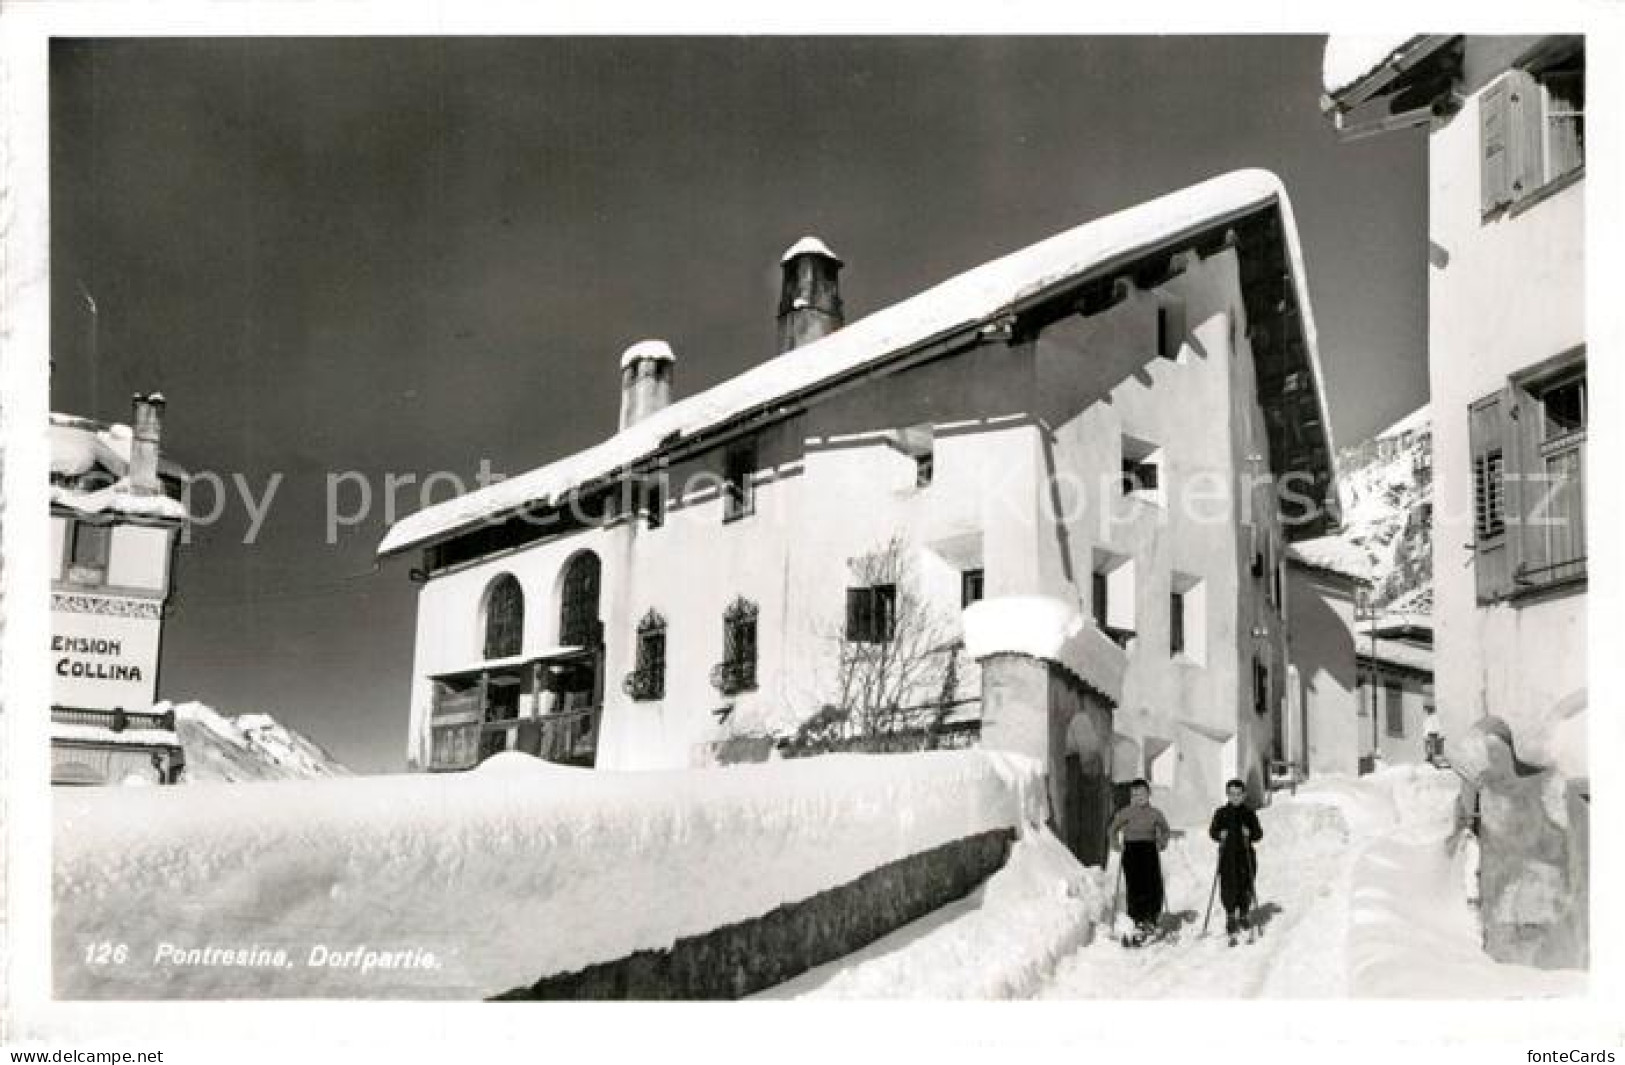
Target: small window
(738, 487)
(918, 442)
(1139, 477)
(871, 614)
(653, 503)
(87, 558)
(924, 467)
(1261, 687)
(970, 587)
(1112, 591)
(737, 670)
(1170, 327)
(647, 680)
(1187, 610)
(1394, 706)
(1141, 470)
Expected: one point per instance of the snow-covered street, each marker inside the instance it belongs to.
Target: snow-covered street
(1359, 895)
(1304, 892)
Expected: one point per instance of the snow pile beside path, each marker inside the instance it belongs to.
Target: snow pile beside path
(1413, 934)
(503, 876)
(1000, 942)
(1412, 931)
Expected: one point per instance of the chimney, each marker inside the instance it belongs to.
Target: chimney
(146, 435)
(646, 375)
(810, 301)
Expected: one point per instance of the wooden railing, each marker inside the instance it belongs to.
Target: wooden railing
(117, 720)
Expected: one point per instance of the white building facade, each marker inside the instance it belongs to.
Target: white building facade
(1103, 419)
(1507, 359)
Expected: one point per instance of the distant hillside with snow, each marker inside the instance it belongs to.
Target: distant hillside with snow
(246, 747)
(1387, 496)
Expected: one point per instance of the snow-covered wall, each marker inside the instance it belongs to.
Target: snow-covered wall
(467, 885)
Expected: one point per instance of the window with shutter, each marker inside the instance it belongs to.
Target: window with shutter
(1495, 177)
(1532, 129)
(1551, 437)
(1489, 439)
(1526, 155)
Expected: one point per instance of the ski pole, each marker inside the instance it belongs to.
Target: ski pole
(1117, 892)
(1214, 890)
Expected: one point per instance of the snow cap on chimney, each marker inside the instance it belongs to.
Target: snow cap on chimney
(647, 369)
(810, 298)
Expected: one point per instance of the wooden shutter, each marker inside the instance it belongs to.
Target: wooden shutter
(1526, 125)
(1525, 428)
(1495, 172)
(1493, 458)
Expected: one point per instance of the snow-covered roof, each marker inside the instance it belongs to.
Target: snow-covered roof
(1418, 420)
(1397, 653)
(79, 445)
(121, 499)
(130, 737)
(955, 305)
(1350, 57)
(645, 350)
(1334, 555)
(808, 246)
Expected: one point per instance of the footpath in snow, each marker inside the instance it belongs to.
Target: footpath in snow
(1359, 895)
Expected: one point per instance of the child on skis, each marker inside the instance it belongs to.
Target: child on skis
(1144, 833)
(1235, 829)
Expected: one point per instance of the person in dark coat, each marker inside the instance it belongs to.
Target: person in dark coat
(1144, 834)
(1235, 829)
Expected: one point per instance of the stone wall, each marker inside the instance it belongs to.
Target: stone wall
(741, 959)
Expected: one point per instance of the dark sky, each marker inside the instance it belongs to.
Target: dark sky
(406, 255)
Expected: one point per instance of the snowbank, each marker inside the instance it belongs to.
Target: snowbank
(998, 943)
(1412, 930)
(500, 877)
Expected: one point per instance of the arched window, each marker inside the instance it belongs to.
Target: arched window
(578, 602)
(504, 617)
